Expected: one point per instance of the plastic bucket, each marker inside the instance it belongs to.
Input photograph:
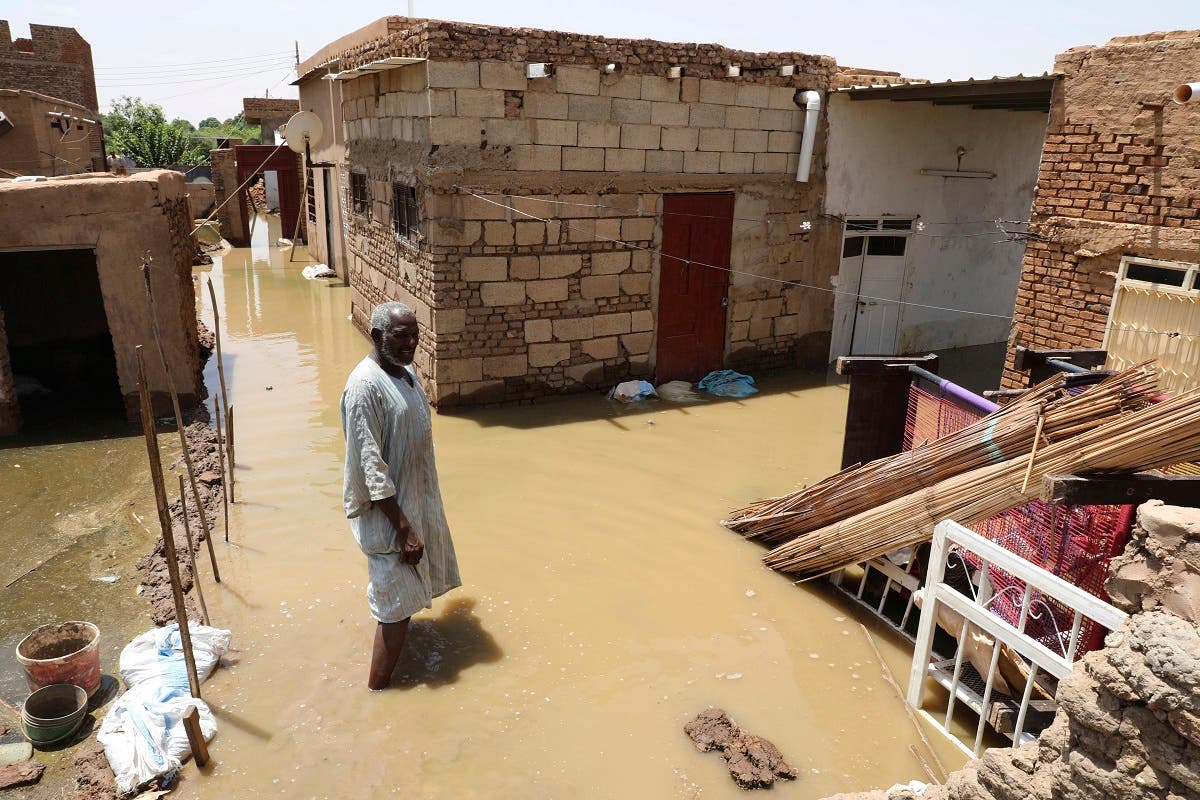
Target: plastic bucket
(53, 713)
(64, 652)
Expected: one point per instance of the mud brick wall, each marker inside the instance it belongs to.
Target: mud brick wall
(1120, 175)
(556, 295)
(55, 61)
(119, 219)
(260, 108)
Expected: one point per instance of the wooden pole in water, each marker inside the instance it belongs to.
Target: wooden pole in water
(212, 294)
(187, 529)
(232, 447)
(164, 523)
(221, 460)
(162, 360)
(191, 724)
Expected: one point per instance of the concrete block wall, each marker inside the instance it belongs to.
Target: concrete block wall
(1117, 177)
(581, 120)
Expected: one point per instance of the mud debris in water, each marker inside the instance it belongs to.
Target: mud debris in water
(754, 762)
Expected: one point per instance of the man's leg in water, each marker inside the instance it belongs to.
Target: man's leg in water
(389, 641)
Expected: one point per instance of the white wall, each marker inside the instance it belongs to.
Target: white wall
(876, 151)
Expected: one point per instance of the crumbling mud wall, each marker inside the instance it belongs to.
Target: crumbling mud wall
(1118, 177)
(1128, 723)
(10, 409)
(560, 291)
(121, 220)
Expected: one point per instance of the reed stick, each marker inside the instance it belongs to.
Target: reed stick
(1002, 436)
(232, 452)
(1159, 435)
(212, 295)
(164, 523)
(187, 530)
(891, 679)
(1037, 438)
(221, 462)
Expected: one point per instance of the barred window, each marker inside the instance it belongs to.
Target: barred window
(404, 211)
(360, 201)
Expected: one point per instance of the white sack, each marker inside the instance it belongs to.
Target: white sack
(158, 653)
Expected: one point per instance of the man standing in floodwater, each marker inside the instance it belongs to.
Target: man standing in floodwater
(391, 489)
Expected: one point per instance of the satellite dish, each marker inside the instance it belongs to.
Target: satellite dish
(303, 128)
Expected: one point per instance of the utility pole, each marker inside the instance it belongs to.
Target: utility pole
(297, 52)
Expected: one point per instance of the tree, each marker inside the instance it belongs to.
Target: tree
(209, 122)
(140, 130)
(183, 125)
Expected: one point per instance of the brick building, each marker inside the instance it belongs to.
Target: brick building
(1116, 215)
(516, 187)
(268, 113)
(55, 62)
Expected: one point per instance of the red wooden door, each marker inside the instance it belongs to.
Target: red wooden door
(692, 298)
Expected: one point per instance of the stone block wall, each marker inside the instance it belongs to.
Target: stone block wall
(1119, 176)
(548, 282)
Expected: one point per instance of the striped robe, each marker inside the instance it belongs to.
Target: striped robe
(389, 451)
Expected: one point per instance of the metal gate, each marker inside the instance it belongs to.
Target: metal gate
(1155, 314)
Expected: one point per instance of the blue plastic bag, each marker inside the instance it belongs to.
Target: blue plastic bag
(727, 383)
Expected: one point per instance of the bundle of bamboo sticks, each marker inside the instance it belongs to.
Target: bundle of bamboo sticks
(1158, 435)
(1046, 413)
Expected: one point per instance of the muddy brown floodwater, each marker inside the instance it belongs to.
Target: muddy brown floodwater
(603, 606)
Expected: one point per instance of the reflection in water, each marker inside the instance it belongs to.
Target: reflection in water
(437, 650)
(603, 606)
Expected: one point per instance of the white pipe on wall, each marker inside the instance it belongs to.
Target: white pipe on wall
(812, 110)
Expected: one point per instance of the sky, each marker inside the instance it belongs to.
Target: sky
(199, 59)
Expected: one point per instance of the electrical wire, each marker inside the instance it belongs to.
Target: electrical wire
(209, 88)
(732, 271)
(759, 221)
(210, 77)
(236, 191)
(195, 64)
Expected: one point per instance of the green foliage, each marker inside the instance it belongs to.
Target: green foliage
(139, 130)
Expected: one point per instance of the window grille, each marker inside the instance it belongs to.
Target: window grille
(404, 212)
(360, 201)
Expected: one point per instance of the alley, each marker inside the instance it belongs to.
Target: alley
(602, 606)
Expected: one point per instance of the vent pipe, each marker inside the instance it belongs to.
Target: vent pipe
(810, 101)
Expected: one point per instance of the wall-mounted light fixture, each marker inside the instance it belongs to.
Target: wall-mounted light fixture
(733, 71)
(609, 69)
(675, 72)
(787, 70)
(539, 69)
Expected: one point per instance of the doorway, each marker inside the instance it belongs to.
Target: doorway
(692, 299)
(872, 269)
(59, 343)
(329, 212)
